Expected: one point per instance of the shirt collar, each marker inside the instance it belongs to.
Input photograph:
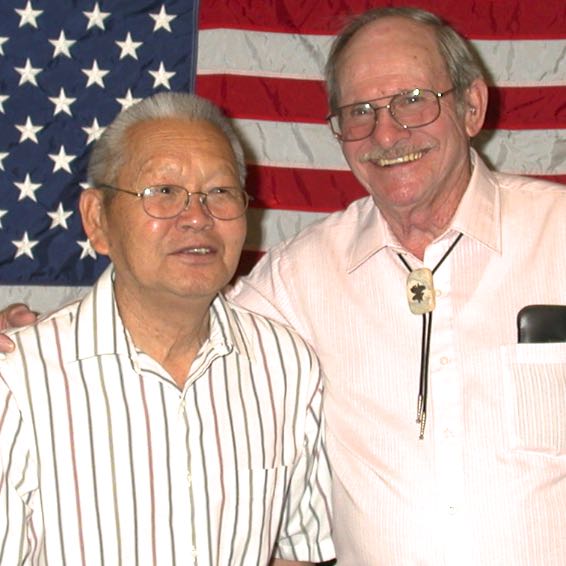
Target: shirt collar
(479, 213)
(477, 216)
(100, 331)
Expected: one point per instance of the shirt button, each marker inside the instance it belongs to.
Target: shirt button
(444, 360)
(452, 510)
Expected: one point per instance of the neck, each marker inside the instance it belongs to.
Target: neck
(416, 226)
(172, 334)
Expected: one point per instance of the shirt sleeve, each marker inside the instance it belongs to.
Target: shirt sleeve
(305, 533)
(17, 485)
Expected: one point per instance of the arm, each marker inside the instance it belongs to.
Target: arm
(11, 317)
(305, 525)
(279, 562)
(17, 488)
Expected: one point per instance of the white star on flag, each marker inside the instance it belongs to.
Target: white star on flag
(128, 47)
(96, 18)
(161, 76)
(94, 132)
(3, 155)
(128, 101)
(62, 103)
(3, 98)
(28, 73)
(162, 20)
(27, 188)
(95, 75)
(28, 131)
(62, 45)
(2, 214)
(87, 249)
(59, 217)
(24, 246)
(61, 160)
(3, 40)
(28, 15)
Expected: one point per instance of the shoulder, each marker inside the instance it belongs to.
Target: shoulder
(332, 237)
(39, 342)
(262, 330)
(530, 200)
(520, 187)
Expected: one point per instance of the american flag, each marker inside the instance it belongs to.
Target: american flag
(68, 66)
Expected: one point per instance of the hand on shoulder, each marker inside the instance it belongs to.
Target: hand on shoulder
(14, 316)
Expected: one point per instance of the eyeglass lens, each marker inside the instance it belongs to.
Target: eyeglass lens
(413, 109)
(224, 203)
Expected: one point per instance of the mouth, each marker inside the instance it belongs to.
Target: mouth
(196, 250)
(384, 161)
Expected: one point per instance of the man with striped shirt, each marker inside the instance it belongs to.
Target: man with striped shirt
(154, 422)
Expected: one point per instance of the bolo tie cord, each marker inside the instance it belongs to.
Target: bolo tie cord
(425, 346)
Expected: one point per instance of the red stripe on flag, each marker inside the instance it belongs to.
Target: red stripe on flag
(310, 190)
(501, 19)
(289, 100)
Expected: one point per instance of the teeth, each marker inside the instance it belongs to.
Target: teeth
(402, 159)
(200, 251)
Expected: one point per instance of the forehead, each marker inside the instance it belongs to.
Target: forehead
(394, 51)
(176, 139)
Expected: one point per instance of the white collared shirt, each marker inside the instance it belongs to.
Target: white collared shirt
(487, 484)
(106, 461)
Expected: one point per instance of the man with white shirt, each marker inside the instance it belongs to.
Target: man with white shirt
(154, 422)
(410, 298)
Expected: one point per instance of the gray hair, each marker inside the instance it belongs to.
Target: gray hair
(461, 63)
(108, 153)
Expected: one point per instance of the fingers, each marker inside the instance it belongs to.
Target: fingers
(6, 345)
(16, 315)
(13, 316)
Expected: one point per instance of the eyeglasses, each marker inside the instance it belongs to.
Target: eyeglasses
(411, 109)
(168, 201)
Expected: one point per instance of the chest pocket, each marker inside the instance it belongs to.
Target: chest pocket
(535, 396)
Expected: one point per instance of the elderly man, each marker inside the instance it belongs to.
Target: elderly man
(410, 298)
(480, 479)
(154, 422)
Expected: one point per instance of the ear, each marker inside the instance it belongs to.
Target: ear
(475, 108)
(93, 215)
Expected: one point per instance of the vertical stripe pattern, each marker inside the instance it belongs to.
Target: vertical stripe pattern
(104, 460)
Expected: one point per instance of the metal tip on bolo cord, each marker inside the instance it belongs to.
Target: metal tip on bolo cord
(423, 423)
(420, 404)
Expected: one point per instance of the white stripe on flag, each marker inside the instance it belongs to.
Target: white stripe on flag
(293, 56)
(299, 145)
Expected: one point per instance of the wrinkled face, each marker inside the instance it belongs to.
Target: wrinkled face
(405, 168)
(191, 256)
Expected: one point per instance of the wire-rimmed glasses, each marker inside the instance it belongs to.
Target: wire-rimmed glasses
(410, 109)
(168, 201)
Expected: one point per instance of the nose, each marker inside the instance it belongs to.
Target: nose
(195, 216)
(387, 131)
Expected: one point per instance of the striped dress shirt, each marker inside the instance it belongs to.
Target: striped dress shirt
(105, 461)
(487, 484)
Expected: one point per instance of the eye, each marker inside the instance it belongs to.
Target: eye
(411, 99)
(223, 193)
(162, 191)
(219, 191)
(359, 110)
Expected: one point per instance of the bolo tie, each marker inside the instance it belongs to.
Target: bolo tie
(422, 300)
